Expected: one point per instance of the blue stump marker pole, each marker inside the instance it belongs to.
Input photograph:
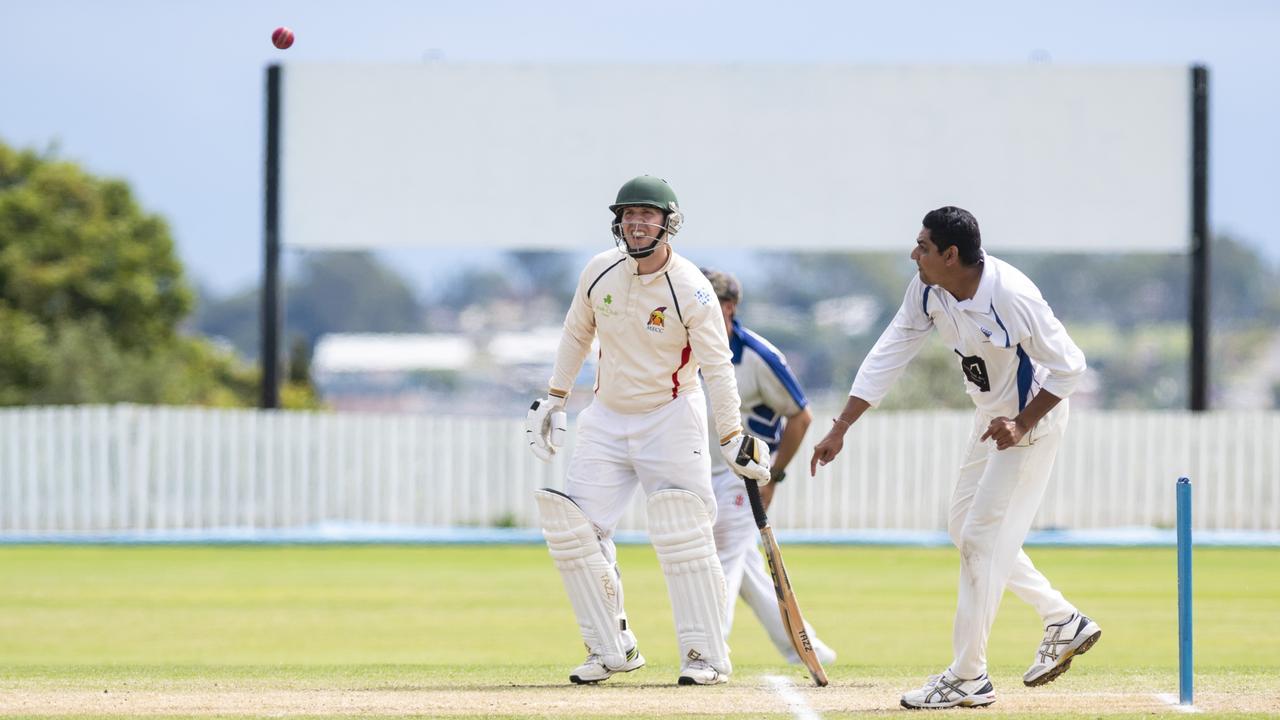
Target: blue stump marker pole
(1184, 591)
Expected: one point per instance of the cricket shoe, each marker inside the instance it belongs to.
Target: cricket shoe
(700, 672)
(825, 654)
(593, 669)
(947, 690)
(1062, 642)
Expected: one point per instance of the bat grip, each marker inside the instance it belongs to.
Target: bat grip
(757, 507)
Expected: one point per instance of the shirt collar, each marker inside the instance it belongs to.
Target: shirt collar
(633, 265)
(981, 300)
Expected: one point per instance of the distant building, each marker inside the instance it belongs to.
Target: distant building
(491, 375)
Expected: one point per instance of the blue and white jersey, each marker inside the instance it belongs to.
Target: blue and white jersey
(1006, 339)
(769, 391)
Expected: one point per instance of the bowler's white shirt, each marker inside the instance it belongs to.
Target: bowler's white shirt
(1006, 335)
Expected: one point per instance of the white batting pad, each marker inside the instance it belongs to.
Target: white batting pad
(591, 581)
(680, 529)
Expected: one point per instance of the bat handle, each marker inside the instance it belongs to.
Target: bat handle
(757, 506)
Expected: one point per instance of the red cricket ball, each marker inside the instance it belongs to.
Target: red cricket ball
(282, 37)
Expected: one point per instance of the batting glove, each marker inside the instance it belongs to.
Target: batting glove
(748, 457)
(545, 426)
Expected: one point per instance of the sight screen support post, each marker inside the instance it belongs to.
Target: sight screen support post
(272, 317)
(1200, 238)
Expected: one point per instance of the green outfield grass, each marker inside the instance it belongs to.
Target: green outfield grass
(492, 620)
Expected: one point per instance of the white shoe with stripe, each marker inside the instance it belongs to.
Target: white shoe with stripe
(947, 690)
(1062, 642)
(593, 669)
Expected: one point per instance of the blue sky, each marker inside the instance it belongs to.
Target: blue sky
(168, 95)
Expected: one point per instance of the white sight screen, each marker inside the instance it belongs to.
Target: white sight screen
(1087, 159)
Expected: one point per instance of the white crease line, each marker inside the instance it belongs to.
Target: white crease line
(794, 700)
(1171, 699)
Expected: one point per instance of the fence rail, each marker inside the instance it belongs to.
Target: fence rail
(97, 469)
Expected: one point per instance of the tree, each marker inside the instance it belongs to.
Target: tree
(349, 292)
(549, 273)
(75, 247)
(333, 292)
(92, 296)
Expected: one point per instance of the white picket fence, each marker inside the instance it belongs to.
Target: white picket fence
(95, 469)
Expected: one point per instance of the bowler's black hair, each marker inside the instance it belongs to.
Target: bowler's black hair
(955, 226)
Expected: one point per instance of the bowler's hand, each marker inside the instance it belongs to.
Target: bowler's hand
(1005, 432)
(826, 450)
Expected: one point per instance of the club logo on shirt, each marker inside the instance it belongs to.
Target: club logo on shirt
(606, 308)
(657, 320)
(975, 371)
(703, 296)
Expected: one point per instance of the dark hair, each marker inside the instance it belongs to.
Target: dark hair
(955, 226)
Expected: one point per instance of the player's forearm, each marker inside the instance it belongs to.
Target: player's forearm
(710, 348)
(575, 342)
(1040, 405)
(792, 434)
(569, 358)
(853, 410)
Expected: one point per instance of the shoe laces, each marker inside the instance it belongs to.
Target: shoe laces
(698, 664)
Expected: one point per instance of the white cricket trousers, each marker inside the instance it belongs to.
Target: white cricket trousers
(994, 504)
(615, 453)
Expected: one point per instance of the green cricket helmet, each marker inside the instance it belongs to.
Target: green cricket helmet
(647, 191)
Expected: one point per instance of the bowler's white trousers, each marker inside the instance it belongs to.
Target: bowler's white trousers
(615, 453)
(994, 504)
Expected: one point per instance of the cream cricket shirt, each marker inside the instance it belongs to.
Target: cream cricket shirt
(655, 331)
(1006, 340)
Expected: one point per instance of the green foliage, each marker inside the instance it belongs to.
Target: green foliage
(87, 366)
(1138, 289)
(73, 246)
(92, 294)
(334, 292)
(545, 272)
(882, 276)
(349, 292)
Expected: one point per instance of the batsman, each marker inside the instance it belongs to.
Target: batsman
(658, 322)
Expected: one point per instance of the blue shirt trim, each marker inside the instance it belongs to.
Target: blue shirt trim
(1002, 327)
(766, 424)
(925, 302)
(1025, 375)
(742, 337)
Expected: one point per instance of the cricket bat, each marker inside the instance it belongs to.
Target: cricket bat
(792, 620)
